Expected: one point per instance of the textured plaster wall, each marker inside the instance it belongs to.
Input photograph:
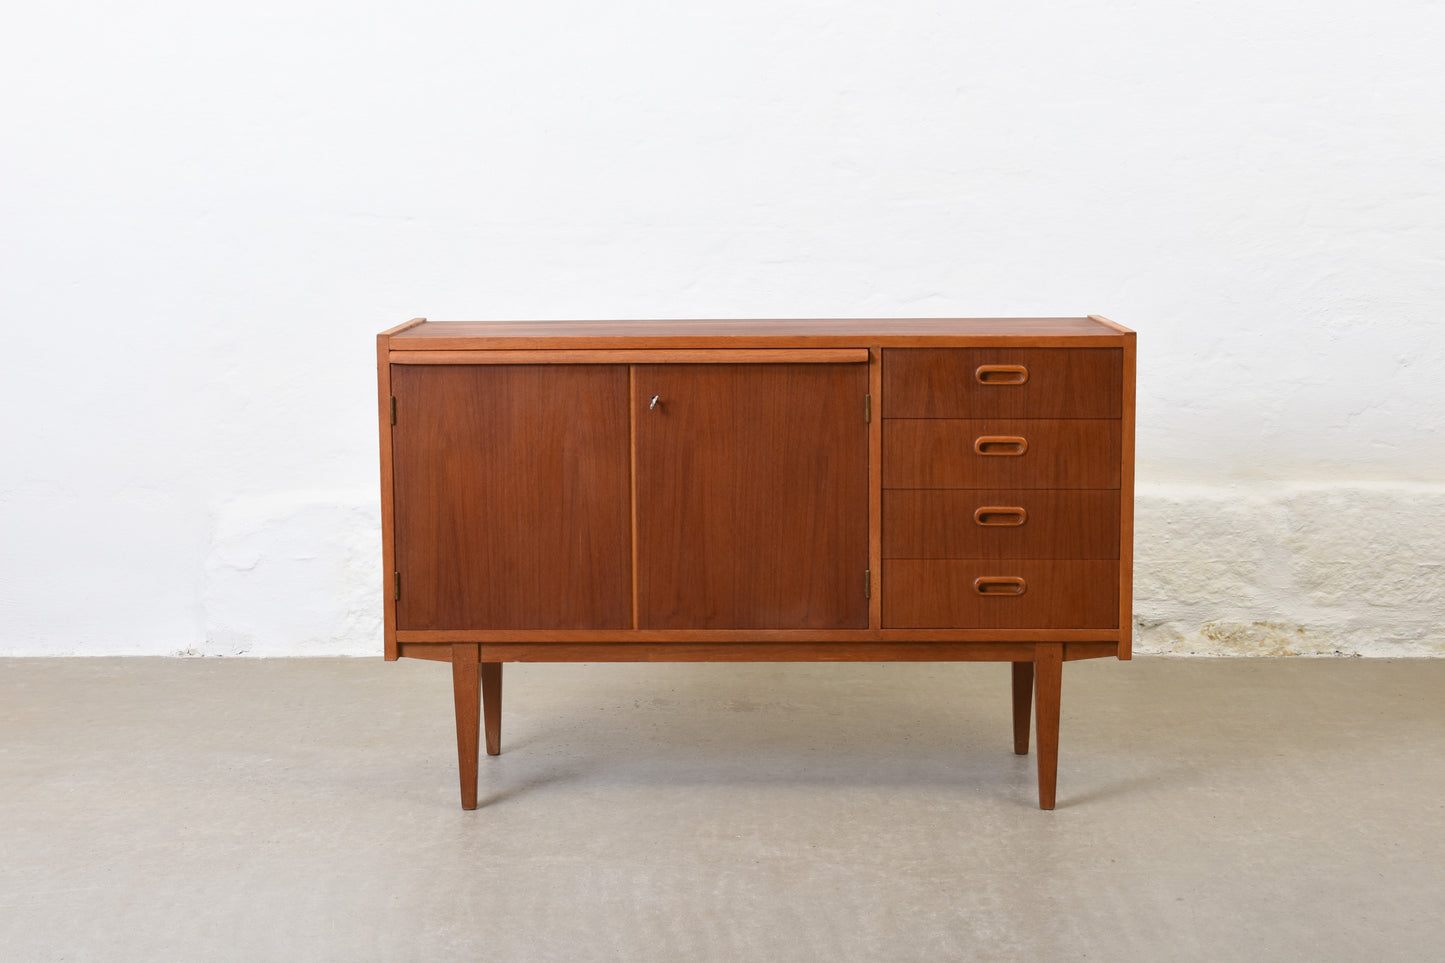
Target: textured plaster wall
(1293, 569)
(207, 212)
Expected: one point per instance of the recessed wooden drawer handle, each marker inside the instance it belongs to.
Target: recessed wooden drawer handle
(1000, 445)
(999, 585)
(1001, 374)
(994, 516)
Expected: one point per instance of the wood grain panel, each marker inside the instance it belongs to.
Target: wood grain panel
(511, 496)
(944, 383)
(933, 593)
(943, 523)
(939, 453)
(752, 496)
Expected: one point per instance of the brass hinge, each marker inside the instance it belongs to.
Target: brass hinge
(867, 409)
(393, 409)
(867, 584)
(396, 586)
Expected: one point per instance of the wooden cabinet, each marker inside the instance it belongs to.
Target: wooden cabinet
(922, 490)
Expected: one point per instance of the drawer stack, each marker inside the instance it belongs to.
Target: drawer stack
(1001, 503)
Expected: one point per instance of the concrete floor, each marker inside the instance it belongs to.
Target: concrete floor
(209, 809)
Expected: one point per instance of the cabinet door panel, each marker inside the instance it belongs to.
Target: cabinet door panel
(752, 495)
(512, 496)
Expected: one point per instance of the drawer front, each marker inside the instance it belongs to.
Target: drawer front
(1011, 594)
(1003, 382)
(1017, 523)
(989, 453)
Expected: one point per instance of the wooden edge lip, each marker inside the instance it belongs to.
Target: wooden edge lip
(1104, 339)
(391, 332)
(563, 355)
(680, 333)
(1099, 318)
(751, 327)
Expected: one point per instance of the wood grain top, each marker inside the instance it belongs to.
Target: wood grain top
(794, 332)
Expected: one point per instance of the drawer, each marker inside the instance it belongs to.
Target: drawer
(1014, 594)
(990, 453)
(1003, 382)
(1017, 523)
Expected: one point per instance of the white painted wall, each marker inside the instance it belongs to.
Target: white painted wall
(208, 212)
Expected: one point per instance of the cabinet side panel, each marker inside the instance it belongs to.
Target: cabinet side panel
(512, 496)
(388, 526)
(752, 496)
(1126, 515)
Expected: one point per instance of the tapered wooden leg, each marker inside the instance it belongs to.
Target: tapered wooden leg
(1023, 679)
(492, 705)
(467, 694)
(1048, 685)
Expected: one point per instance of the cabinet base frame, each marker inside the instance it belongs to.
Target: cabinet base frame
(757, 651)
(1036, 681)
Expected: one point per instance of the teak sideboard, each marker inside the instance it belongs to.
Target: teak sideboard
(758, 491)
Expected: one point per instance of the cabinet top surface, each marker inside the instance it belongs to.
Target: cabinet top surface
(436, 335)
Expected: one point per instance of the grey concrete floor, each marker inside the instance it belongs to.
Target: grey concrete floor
(209, 809)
